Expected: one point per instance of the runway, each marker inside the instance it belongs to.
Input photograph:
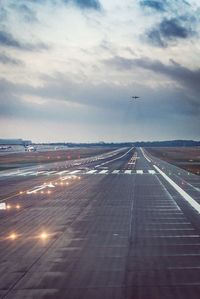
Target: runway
(111, 227)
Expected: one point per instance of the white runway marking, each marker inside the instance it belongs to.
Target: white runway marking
(91, 171)
(39, 188)
(104, 163)
(26, 173)
(139, 171)
(63, 172)
(103, 171)
(127, 171)
(75, 171)
(10, 173)
(2, 206)
(115, 171)
(186, 196)
(151, 171)
(145, 155)
(49, 172)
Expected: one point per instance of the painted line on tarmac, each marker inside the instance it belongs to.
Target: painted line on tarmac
(116, 171)
(115, 159)
(145, 155)
(103, 171)
(184, 194)
(127, 171)
(139, 171)
(91, 171)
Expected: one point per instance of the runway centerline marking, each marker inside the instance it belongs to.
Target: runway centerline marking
(184, 194)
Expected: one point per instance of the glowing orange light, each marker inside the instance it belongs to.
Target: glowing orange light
(13, 236)
(18, 207)
(43, 236)
(8, 207)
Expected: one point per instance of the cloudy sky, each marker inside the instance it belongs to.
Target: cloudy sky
(68, 69)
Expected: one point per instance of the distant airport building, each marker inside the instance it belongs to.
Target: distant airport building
(14, 142)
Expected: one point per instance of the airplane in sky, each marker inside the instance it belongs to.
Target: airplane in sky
(135, 97)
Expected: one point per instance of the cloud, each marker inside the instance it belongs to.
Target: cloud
(156, 5)
(83, 4)
(91, 4)
(3, 13)
(5, 59)
(169, 30)
(7, 40)
(185, 77)
(26, 12)
(167, 6)
(177, 21)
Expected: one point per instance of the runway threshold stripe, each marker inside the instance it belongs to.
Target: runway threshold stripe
(151, 171)
(139, 171)
(185, 195)
(25, 173)
(10, 173)
(75, 171)
(50, 172)
(127, 171)
(103, 171)
(91, 171)
(63, 172)
(116, 171)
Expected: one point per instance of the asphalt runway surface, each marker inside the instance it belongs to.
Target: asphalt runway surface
(118, 226)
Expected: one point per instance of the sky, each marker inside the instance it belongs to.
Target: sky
(68, 69)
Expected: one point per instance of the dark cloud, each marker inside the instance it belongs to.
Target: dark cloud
(7, 40)
(178, 21)
(93, 4)
(5, 59)
(185, 77)
(169, 30)
(173, 29)
(156, 5)
(168, 6)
